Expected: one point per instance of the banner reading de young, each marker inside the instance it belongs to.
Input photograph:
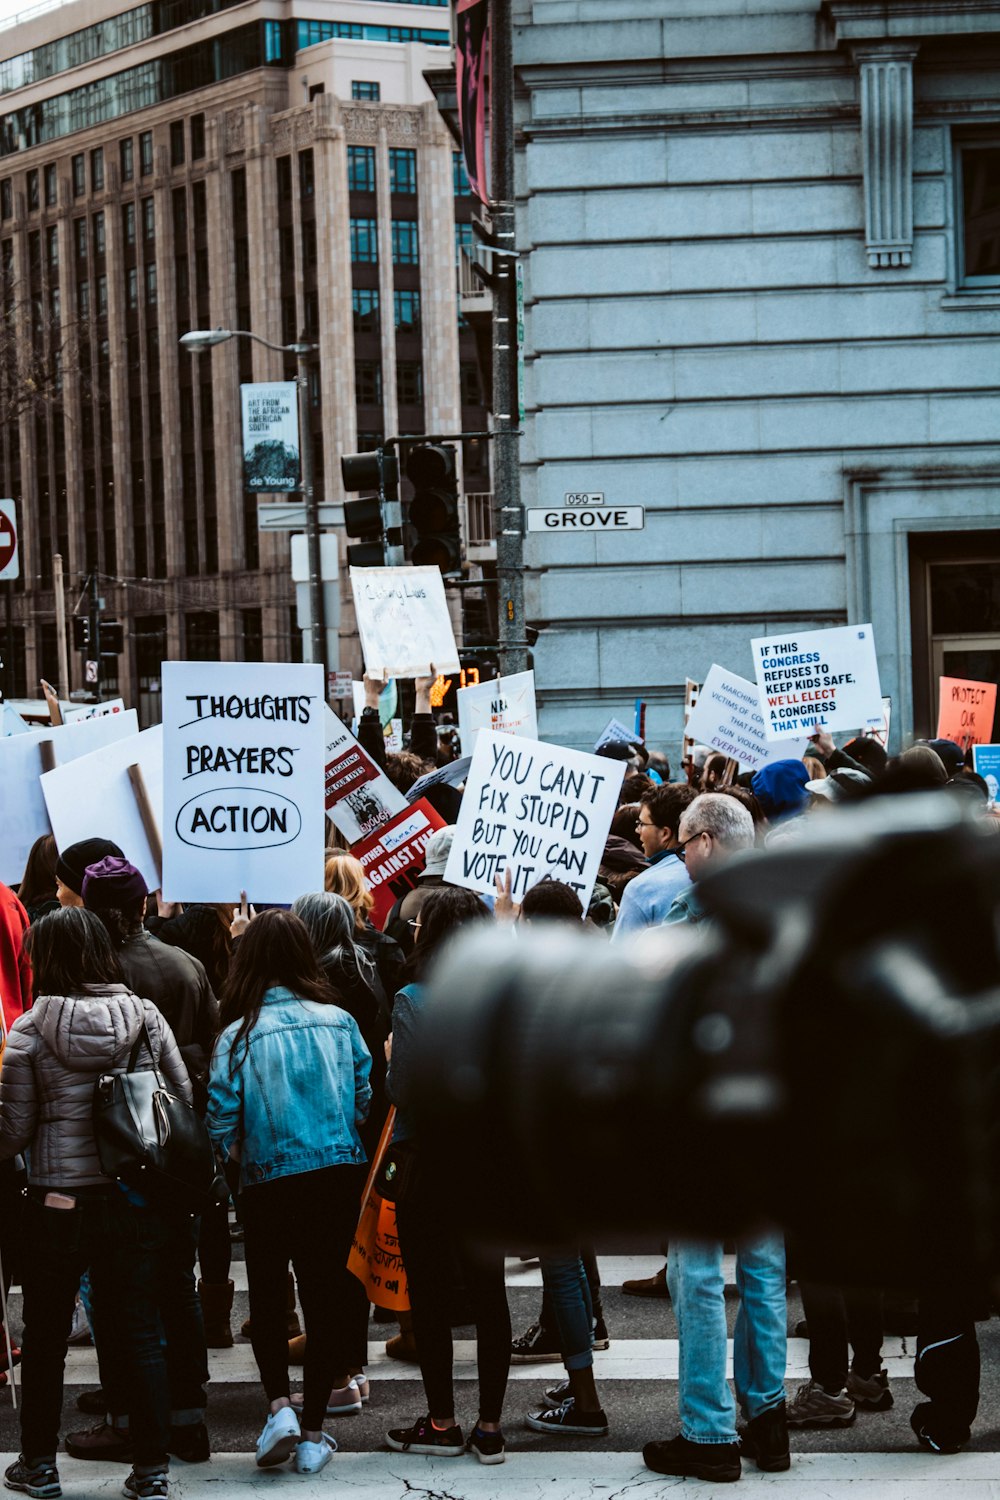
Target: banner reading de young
(243, 758)
(270, 436)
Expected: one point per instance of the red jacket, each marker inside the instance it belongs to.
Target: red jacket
(15, 970)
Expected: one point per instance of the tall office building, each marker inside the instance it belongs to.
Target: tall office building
(274, 166)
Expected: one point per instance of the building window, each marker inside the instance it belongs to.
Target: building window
(405, 245)
(362, 88)
(100, 239)
(407, 311)
(365, 309)
(364, 241)
(361, 169)
(52, 247)
(80, 238)
(471, 386)
(283, 170)
(97, 170)
(6, 199)
(79, 176)
(177, 143)
(132, 288)
(368, 382)
(51, 186)
(151, 283)
(148, 220)
(307, 174)
(31, 181)
(309, 245)
(126, 157)
(402, 170)
(83, 298)
(979, 175)
(146, 152)
(409, 382)
(102, 296)
(464, 240)
(197, 137)
(128, 223)
(459, 177)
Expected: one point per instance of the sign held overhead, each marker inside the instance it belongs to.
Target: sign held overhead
(826, 679)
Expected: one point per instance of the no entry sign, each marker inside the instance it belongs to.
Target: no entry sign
(10, 565)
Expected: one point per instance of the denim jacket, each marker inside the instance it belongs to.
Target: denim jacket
(298, 1091)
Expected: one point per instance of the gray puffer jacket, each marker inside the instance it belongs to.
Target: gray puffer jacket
(54, 1056)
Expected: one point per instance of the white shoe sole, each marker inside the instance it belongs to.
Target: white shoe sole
(566, 1429)
(315, 1466)
(435, 1450)
(489, 1458)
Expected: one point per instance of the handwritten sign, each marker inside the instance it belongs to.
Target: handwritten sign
(966, 710)
(359, 797)
(616, 733)
(23, 815)
(538, 810)
(243, 754)
(403, 622)
(393, 857)
(824, 679)
(94, 710)
(93, 798)
(507, 704)
(727, 718)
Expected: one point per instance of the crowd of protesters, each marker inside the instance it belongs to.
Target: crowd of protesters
(292, 1033)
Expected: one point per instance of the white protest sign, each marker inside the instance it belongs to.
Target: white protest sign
(540, 811)
(23, 817)
(359, 796)
(403, 622)
(94, 711)
(727, 718)
(824, 679)
(243, 757)
(93, 798)
(616, 733)
(506, 704)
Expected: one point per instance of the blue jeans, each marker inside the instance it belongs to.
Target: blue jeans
(697, 1290)
(565, 1281)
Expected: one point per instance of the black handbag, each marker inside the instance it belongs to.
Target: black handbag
(152, 1141)
(399, 1175)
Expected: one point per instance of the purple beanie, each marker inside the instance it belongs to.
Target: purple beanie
(112, 882)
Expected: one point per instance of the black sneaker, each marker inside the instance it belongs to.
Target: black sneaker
(929, 1436)
(557, 1394)
(719, 1462)
(40, 1480)
(424, 1437)
(601, 1339)
(538, 1346)
(189, 1443)
(487, 1446)
(566, 1420)
(146, 1486)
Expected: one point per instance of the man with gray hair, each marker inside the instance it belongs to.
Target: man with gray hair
(713, 828)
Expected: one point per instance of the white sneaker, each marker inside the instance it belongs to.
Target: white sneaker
(364, 1388)
(279, 1438)
(311, 1457)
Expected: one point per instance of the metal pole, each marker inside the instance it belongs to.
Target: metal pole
(57, 579)
(8, 674)
(95, 630)
(317, 600)
(508, 516)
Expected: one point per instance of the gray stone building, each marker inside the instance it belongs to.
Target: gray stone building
(762, 251)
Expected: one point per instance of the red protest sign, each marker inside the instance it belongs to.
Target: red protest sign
(393, 857)
(965, 712)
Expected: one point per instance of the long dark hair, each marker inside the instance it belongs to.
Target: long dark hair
(38, 883)
(68, 949)
(274, 950)
(443, 912)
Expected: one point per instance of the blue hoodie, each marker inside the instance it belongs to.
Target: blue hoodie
(780, 789)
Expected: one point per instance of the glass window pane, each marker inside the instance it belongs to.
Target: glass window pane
(965, 598)
(981, 210)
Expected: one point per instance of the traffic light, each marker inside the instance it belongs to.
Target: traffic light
(364, 518)
(433, 513)
(81, 632)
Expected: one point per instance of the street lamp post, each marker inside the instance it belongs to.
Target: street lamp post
(198, 340)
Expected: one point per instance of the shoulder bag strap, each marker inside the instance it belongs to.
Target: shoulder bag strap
(133, 1056)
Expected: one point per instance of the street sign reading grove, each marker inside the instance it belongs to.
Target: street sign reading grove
(603, 518)
(10, 565)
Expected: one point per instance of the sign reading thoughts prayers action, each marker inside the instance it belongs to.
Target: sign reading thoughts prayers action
(820, 679)
(540, 811)
(243, 757)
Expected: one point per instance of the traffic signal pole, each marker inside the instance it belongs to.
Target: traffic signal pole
(508, 515)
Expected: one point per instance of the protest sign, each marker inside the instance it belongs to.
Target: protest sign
(820, 679)
(393, 857)
(93, 798)
(453, 774)
(540, 811)
(616, 733)
(986, 763)
(243, 757)
(966, 710)
(506, 704)
(727, 718)
(403, 622)
(359, 795)
(882, 733)
(23, 816)
(94, 710)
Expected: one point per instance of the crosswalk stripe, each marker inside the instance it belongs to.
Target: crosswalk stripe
(614, 1270)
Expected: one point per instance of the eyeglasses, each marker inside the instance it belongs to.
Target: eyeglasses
(683, 843)
(640, 824)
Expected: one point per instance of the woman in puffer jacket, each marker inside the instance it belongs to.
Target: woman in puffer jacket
(84, 1023)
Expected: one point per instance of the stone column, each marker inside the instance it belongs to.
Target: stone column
(438, 284)
(386, 285)
(886, 74)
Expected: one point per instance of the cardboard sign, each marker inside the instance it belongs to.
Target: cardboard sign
(616, 733)
(882, 734)
(403, 622)
(453, 774)
(359, 796)
(394, 856)
(820, 679)
(727, 718)
(94, 711)
(540, 810)
(23, 816)
(243, 756)
(507, 705)
(966, 710)
(93, 798)
(986, 763)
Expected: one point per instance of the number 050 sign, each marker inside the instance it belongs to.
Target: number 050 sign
(10, 566)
